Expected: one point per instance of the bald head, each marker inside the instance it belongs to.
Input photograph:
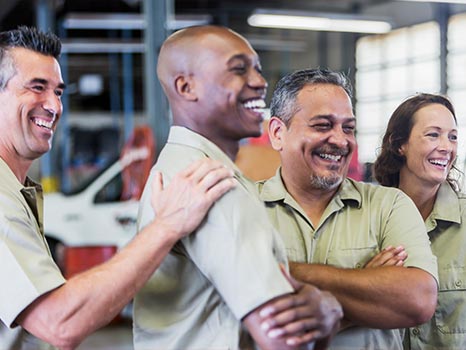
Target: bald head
(182, 52)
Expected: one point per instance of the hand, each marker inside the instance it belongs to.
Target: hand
(184, 203)
(303, 317)
(390, 256)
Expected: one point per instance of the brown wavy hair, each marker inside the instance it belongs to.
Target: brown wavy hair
(389, 162)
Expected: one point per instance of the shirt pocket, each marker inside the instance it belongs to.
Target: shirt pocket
(352, 258)
(450, 314)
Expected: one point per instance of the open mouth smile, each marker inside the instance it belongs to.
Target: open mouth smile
(46, 124)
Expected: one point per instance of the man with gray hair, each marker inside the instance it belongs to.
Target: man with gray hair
(36, 301)
(366, 244)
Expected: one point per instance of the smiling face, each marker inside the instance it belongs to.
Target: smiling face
(229, 86)
(31, 105)
(431, 148)
(317, 146)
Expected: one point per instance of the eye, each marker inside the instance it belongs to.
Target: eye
(322, 126)
(59, 93)
(38, 88)
(433, 134)
(239, 69)
(453, 137)
(349, 129)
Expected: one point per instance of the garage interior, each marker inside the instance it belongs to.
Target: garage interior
(110, 53)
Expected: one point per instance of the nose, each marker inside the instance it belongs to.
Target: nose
(52, 103)
(446, 144)
(256, 80)
(338, 138)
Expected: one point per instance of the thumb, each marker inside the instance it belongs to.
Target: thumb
(294, 283)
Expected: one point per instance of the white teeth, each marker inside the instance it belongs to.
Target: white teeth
(330, 157)
(253, 104)
(443, 162)
(43, 123)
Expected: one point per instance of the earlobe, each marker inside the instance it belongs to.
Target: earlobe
(184, 86)
(276, 129)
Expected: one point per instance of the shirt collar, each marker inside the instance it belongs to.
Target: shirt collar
(274, 190)
(447, 206)
(186, 137)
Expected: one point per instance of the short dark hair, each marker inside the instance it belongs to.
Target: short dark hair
(30, 38)
(286, 91)
(389, 162)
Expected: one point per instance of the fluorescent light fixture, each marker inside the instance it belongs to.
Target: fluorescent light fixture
(443, 1)
(318, 21)
(128, 21)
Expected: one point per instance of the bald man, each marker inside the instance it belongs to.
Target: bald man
(223, 287)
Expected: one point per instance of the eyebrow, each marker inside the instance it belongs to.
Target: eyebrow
(331, 117)
(244, 57)
(46, 82)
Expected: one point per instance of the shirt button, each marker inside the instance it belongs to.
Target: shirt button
(416, 331)
(458, 283)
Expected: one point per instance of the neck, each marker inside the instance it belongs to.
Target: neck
(228, 145)
(422, 196)
(313, 201)
(19, 167)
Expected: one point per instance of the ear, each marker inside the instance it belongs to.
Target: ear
(402, 150)
(184, 86)
(276, 130)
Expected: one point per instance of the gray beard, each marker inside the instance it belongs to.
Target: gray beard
(325, 183)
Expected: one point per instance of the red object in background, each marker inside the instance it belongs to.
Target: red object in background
(355, 170)
(79, 259)
(137, 158)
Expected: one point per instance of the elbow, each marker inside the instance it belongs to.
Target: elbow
(65, 338)
(424, 305)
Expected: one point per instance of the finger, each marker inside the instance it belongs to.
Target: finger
(290, 320)
(200, 168)
(214, 176)
(220, 188)
(303, 339)
(295, 329)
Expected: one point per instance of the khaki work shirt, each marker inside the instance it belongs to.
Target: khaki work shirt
(26, 270)
(447, 232)
(359, 222)
(215, 276)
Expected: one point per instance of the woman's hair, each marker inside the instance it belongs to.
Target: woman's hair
(390, 161)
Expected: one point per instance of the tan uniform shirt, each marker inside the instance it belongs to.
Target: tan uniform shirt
(359, 222)
(26, 270)
(447, 232)
(217, 275)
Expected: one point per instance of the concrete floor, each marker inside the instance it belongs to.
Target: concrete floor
(113, 337)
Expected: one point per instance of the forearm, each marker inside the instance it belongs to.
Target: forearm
(65, 316)
(383, 297)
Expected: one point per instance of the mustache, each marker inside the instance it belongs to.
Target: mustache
(330, 149)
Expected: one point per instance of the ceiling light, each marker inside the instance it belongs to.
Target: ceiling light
(128, 21)
(318, 21)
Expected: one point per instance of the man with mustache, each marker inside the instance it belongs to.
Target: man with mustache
(341, 235)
